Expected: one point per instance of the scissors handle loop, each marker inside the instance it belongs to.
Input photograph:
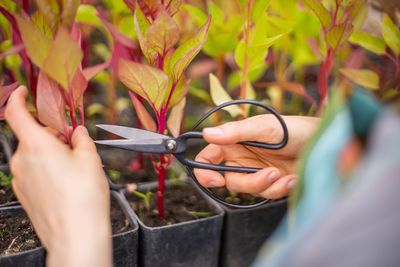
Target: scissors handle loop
(195, 164)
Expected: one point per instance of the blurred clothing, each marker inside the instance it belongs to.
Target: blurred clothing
(338, 219)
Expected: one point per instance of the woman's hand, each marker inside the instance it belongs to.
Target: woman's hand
(278, 166)
(63, 190)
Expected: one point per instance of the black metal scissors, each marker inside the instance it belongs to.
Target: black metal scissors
(150, 142)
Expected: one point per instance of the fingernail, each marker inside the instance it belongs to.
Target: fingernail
(213, 131)
(83, 130)
(273, 176)
(290, 185)
(213, 184)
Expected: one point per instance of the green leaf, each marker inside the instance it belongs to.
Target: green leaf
(69, 12)
(163, 33)
(259, 8)
(216, 13)
(322, 13)
(144, 117)
(339, 34)
(64, 58)
(94, 109)
(185, 53)
(363, 77)
(220, 96)
(369, 42)
(200, 93)
(141, 26)
(50, 10)
(40, 23)
(255, 53)
(391, 34)
(37, 45)
(87, 14)
(175, 118)
(180, 92)
(148, 82)
(197, 15)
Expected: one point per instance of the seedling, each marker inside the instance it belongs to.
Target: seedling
(5, 180)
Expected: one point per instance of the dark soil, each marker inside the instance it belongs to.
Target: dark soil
(235, 198)
(182, 203)
(6, 195)
(119, 222)
(16, 233)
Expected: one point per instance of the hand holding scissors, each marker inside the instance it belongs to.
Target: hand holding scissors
(144, 141)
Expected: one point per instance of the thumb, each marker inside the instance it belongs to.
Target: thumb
(81, 140)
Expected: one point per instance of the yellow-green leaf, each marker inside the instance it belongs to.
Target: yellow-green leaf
(87, 14)
(64, 58)
(338, 34)
(185, 53)
(220, 96)
(322, 13)
(50, 10)
(255, 53)
(163, 33)
(175, 118)
(180, 92)
(363, 77)
(141, 26)
(148, 82)
(391, 34)
(69, 11)
(369, 42)
(37, 45)
(259, 8)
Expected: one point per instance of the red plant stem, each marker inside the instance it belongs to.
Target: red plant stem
(72, 110)
(162, 173)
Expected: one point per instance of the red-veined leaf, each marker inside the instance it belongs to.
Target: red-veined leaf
(179, 93)
(120, 51)
(173, 6)
(49, 10)
(50, 105)
(148, 82)
(141, 26)
(319, 10)
(131, 4)
(368, 41)
(338, 34)
(163, 33)
(185, 53)
(144, 117)
(78, 86)
(69, 11)
(5, 92)
(64, 58)
(175, 118)
(37, 45)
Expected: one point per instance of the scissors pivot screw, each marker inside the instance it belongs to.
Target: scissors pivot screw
(171, 145)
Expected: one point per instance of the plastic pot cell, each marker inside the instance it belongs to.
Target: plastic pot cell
(32, 257)
(194, 243)
(245, 231)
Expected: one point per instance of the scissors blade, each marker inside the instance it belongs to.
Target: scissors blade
(155, 145)
(131, 133)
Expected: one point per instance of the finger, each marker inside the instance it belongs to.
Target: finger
(208, 178)
(210, 154)
(252, 182)
(264, 128)
(81, 140)
(18, 116)
(280, 188)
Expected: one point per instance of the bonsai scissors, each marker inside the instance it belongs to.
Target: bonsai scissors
(140, 140)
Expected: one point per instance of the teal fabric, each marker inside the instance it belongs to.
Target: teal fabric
(319, 181)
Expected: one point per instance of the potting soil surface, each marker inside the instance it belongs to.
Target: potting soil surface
(181, 203)
(16, 233)
(119, 223)
(6, 195)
